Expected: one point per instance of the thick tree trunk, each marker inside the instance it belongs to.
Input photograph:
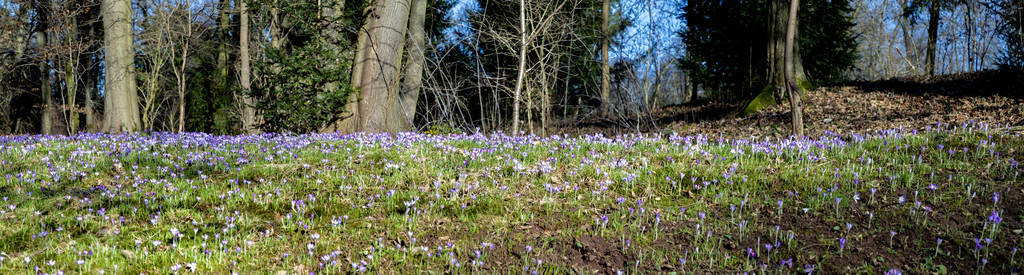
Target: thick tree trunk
(244, 70)
(522, 67)
(120, 101)
(794, 90)
(380, 72)
(933, 36)
(777, 49)
(605, 67)
(413, 80)
(350, 118)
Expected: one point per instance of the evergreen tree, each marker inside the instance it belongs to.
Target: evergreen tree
(726, 57)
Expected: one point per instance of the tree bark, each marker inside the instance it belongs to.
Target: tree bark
(350, 121)
(605, 67)
(46, 123)
(221, 72)
(522, 67)
(180, 72)
(970, 35)
(794, 90)
(413, 80)
(380, 72)
(248, 111)
(275, 26)
(43, 10)
(120, 98)
(777, 49)
(71, 79)
(933, 35)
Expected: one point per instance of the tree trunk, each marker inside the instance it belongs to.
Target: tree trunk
(605, 67)
(46, 123)
(933, 35)
(275, 26)
(120, 100)
(90, 120)
(692, 87)
(72, 91)
(350, 119)
(71, 79)
(908, 41)
(180, 72)
(91, 83)
(43, 10)
(380, 72)
(245, 71)
(522, 67)
(777, 49)
(221, 72)
(794, 90)
(405, 111)
(970, 35)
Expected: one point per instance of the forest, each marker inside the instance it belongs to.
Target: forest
(511, 136)
(231, 67)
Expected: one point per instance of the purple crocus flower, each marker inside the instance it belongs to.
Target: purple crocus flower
(787, 262)
(994, 217)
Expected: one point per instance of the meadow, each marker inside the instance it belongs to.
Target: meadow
(941, 199)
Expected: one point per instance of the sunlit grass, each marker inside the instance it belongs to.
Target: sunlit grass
(492, 203)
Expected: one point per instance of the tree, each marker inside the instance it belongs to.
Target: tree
(120, 100)
(350, 118)
(732, 62)
(791, 86)
(780, 13)
(605, 68)
(413, 80)
(380, 75)
(933, 36)
(223, 26)
(935, 8)
(43, 10)
(303, 77)
(185, 33)
(1012, 31)
(155, 51)
(522, 67)
(248, 111)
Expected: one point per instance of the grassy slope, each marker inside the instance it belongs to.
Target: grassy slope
(329, 203)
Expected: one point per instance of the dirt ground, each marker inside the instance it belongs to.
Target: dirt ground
(994, 97)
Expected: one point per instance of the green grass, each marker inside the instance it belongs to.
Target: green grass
(330, 204)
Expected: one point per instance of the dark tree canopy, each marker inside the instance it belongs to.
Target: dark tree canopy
(727, 43)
